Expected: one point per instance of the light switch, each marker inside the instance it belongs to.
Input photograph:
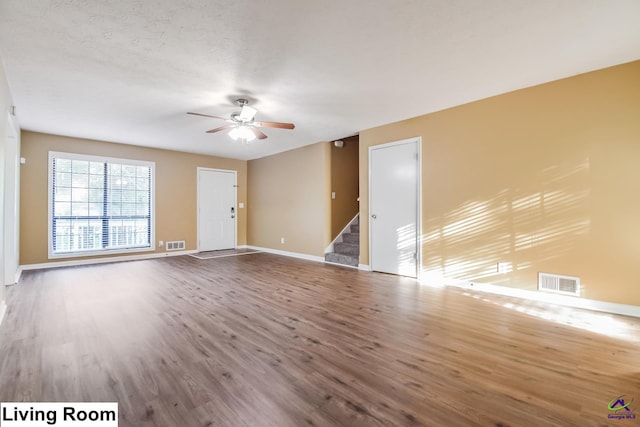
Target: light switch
(333, 194)
(240, 205)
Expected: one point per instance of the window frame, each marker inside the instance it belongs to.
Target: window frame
(102, 159)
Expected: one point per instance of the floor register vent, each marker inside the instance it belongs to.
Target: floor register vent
(175, 246)
(555, 283)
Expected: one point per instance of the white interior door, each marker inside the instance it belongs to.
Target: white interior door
(394, 207)
(217, 210)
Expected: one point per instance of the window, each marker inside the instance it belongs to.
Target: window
(99, 205)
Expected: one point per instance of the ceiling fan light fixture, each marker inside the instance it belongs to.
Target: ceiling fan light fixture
(242, 133)
(247, 113)
(242, 125)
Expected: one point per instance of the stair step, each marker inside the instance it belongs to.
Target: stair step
(341, 259)
(347, 251)
(351, 238)
(347, 248)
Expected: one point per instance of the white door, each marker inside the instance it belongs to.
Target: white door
(394, 207)
(217, 209)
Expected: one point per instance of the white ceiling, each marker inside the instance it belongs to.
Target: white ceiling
(128, 71)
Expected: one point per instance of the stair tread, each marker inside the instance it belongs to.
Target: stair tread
(351, 238)
(347, 248)
(342, 259)
(346, 244)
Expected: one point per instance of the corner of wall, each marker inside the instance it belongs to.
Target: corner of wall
(5, 111)
(326, 151)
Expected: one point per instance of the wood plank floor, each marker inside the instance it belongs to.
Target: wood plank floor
(263, 340)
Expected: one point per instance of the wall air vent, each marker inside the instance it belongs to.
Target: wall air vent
(175, 246)
(558, 284)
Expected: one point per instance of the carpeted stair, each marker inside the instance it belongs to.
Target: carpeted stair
(346, 249)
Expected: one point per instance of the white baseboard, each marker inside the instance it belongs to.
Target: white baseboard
(364, 267)
(75, 262)
(18, 274)
(564, 300)
(287, 253)
(3, 310)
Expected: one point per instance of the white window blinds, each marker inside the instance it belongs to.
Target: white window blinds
(99, 204)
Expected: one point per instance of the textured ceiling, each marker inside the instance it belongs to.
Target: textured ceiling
(128, 71)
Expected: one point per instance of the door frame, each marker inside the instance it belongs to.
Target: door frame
(235, 202)
(418, 141)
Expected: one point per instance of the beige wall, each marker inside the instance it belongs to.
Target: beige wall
(176, 198)
(344, 182)
(289, 196)
(547, 178)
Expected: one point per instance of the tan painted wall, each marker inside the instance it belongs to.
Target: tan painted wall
(547, 178)
(289, 196)
(176, 198)
(344, 182)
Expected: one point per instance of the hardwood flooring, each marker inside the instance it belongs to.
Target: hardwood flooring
(263, 340)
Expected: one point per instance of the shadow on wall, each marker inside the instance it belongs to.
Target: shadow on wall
(518, 228)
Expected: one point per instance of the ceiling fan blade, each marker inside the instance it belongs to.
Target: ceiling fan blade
(207, 115)
(274, 125)
(221, 128)
(259, 134)
(247, 113)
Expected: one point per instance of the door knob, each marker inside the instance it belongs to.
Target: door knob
(373, 216)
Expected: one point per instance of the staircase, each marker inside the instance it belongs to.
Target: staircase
(346, 248)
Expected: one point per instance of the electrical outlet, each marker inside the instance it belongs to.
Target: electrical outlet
(161, 243)
(282, 240)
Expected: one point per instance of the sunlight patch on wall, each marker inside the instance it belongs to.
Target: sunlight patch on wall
(406, 243)
(522, 227)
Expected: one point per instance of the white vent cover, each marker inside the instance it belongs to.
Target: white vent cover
(176, 245)
(566, 285)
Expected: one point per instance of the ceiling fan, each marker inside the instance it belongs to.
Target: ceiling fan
(243, 126)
